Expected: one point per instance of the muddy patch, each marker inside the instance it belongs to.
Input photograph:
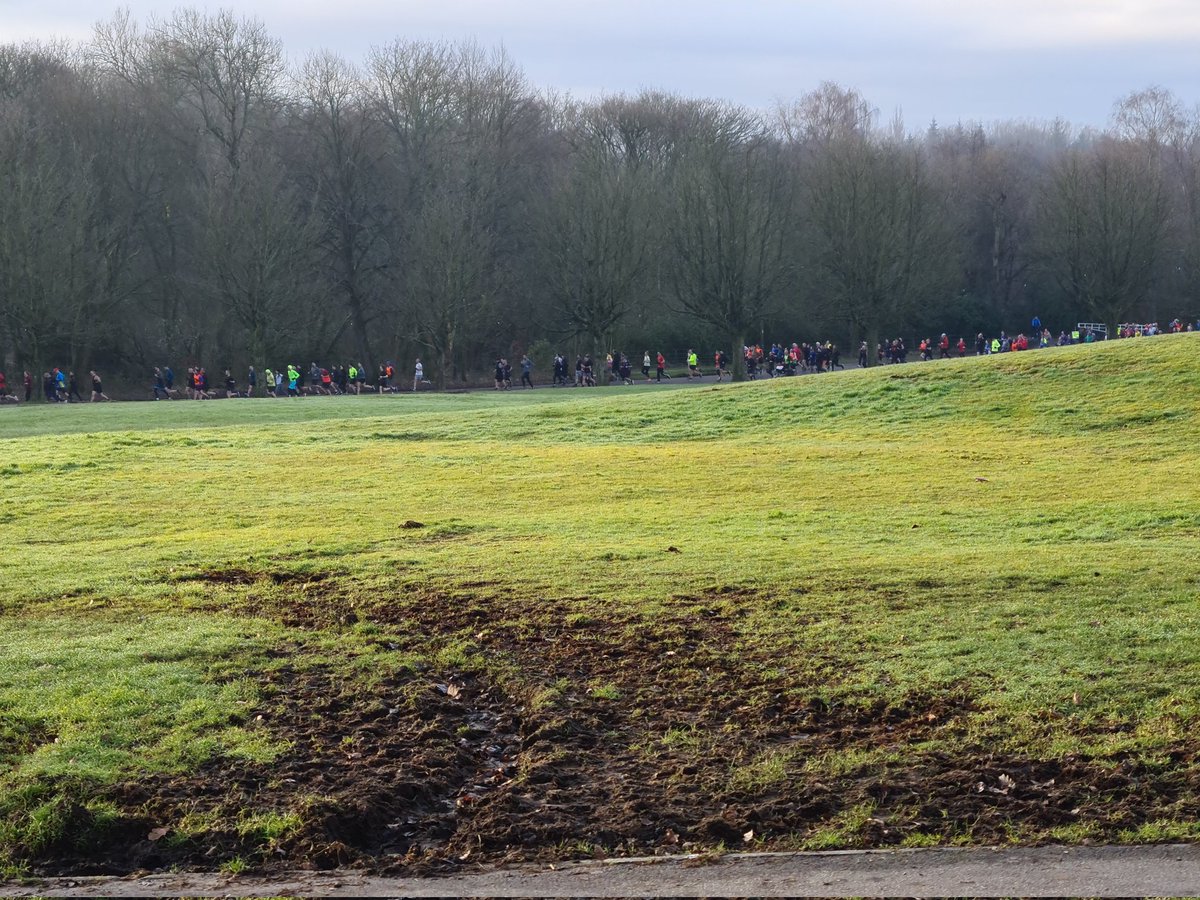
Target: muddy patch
(241, 577)
(586, 731)
(366, 776)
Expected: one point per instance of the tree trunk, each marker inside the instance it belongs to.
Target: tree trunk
(737, 359)
(872, 338)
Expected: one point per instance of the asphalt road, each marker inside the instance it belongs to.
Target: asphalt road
(1160, 871)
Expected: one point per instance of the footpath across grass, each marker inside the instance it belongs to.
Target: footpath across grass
(933, 603)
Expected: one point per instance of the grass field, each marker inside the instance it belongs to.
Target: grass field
(925, 604)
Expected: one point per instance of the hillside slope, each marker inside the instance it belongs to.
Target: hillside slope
(944, 602)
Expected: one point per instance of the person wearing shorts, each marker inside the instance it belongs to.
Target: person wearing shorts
(97, 388)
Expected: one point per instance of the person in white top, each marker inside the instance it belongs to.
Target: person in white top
(419, 375)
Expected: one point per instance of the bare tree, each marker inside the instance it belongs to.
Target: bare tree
(728, 227)
(461, 123)
(597, 226)
(260, 241)
(228, 68)
(1103, 224)
(338, 153)
(878, 237)
(1152, 116)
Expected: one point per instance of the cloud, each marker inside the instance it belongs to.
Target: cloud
(1061, 23)
(949, 59)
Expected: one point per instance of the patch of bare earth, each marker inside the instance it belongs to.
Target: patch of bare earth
(606, 736)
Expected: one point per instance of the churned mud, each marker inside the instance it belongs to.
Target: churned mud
(596, 737)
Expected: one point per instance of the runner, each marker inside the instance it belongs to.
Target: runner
(28, 386)
(97, 389)
(526, 371)
(251, 382)
(230, 385)
(693, 364)
(419, 375)
(4, 396)
(662, 367)
(646, 365)
(293, 379)
(160, 384)
(73, 389)
(202, 384)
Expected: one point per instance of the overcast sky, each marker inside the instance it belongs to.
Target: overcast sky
(948, 60)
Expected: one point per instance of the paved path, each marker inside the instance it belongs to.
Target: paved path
(1161, 871)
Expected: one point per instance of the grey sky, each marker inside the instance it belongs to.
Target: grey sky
(942, 59)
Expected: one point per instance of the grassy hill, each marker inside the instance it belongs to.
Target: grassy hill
(931, 603)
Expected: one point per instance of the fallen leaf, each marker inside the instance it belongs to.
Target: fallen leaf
(1007, 783)
(748, 836)
(412, 524)
(453, 690)
(977, 478)
(674, 550)
(157, 834)
(1075, 698)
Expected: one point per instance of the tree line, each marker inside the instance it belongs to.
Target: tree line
(176, 191)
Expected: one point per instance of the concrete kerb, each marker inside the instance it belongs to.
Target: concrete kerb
(1160, 870)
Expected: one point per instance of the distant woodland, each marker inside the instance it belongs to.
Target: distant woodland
(176, 192)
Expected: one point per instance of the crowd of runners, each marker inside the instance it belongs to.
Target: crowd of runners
(58, 386)
(62, 386)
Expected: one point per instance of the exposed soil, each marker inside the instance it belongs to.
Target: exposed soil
(599, 738)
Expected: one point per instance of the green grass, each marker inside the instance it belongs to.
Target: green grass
(1023, 528)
